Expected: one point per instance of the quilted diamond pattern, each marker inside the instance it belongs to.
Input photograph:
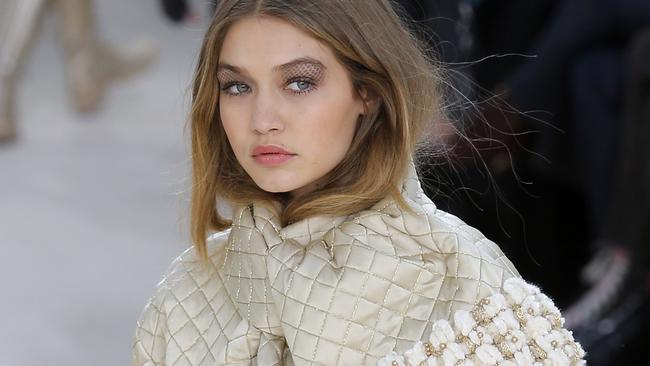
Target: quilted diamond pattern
(323, 291)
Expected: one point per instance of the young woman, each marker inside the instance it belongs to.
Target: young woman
(305, 120)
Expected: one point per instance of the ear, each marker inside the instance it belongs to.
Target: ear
(370, 100)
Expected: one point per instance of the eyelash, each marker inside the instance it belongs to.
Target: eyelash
(312, 86)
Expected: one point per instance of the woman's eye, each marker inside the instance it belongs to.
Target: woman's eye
(236, 89)
(300, 86)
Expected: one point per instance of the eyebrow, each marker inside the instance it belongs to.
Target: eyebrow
(283, 67)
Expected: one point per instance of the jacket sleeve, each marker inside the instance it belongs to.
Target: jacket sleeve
(151, 332)
(190, 320)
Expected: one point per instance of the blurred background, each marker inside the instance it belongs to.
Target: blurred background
(554, 162)
(92, 203)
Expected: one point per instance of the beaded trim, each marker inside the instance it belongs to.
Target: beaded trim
(522, 326)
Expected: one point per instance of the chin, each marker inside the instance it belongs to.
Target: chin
(275, 190)
(276, 187)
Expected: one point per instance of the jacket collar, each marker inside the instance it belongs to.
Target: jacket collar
(314, 228)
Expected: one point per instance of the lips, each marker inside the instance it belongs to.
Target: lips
(270, 149)
(269, 155)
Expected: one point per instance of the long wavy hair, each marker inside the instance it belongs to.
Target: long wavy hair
(383, 57)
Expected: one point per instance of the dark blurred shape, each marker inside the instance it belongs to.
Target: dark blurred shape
(175, 10)
(619, 338)
(182, 11)
(446, 25)
(616, 333)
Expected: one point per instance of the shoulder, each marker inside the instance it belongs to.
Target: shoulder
(430, 233)
(519, 325)
(189, 262)
(182, 292)
(469, 242)
(187, 272)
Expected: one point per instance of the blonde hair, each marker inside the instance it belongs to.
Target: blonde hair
(383, 59)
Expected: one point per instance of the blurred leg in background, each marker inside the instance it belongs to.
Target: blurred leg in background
(90, 63)
(20, 28)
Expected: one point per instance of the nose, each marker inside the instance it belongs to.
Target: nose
(266, 117)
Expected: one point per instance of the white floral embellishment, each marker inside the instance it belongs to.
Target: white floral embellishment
(392, 359)
(522, 326)
(416, 355)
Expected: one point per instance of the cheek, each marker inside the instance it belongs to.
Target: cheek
(232, 125)
(227, 114)
(332, 129)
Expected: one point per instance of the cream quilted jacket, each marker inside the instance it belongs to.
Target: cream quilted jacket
(384, 286)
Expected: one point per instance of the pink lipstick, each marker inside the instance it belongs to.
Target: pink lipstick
(270, 155)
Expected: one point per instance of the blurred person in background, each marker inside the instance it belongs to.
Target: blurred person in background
(587, 65)
(581, 87)
(90, 63)
(610, 87)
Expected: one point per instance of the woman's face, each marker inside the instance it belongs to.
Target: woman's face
(287, 104)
